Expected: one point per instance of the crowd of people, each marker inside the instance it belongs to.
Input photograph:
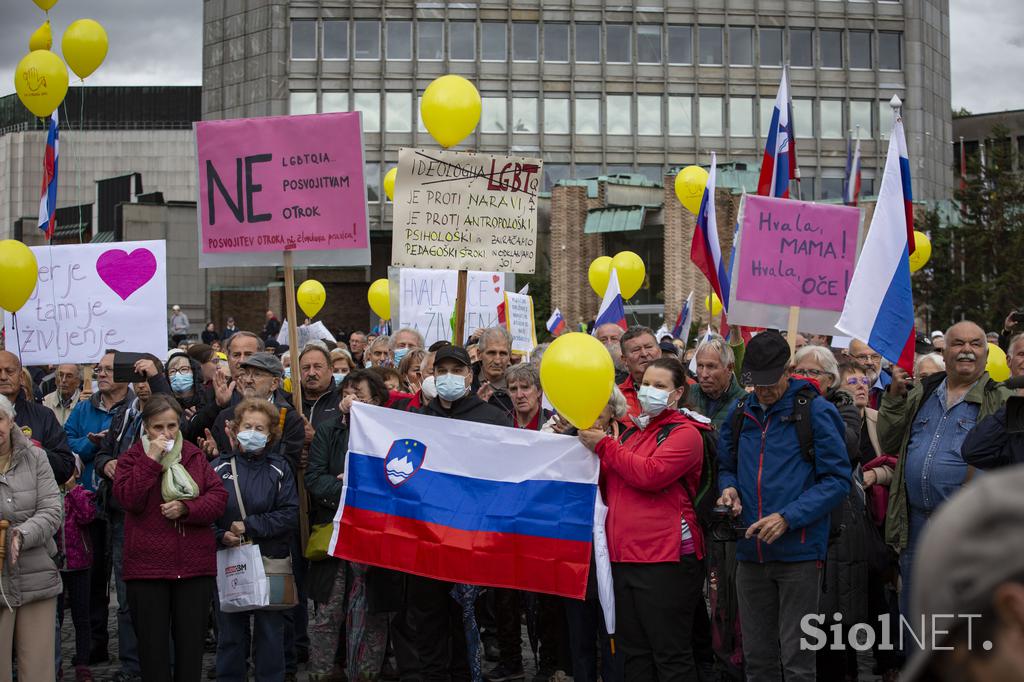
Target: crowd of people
(747, 487)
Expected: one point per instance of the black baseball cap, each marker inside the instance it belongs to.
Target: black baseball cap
(668, 347)
(451, 352)
(766, 359)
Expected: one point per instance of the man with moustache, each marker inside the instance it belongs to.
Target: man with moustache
(926, 422)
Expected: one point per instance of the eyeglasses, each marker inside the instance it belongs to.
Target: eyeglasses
(811, 372)
(867, 357)
(102, 369)
(184, 371)
(863, 381)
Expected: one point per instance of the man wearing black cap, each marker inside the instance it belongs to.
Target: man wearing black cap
(782, 488)
(434, 616)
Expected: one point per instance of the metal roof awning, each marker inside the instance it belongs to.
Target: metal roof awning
(615, 219)
(102, 237)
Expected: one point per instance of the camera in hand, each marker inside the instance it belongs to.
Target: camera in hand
(724, 526)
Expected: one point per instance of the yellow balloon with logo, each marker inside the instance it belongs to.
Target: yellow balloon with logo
(389, 183)
(311, 297)
(84, 46)
(379, 297)
(997, 365)
(450, 109)
(713, 304)
(578, 375)
(18, 272)
(690, 184)
(599, 273)
(631, 271)
(41, 81)
(41, 38)
(922, 251)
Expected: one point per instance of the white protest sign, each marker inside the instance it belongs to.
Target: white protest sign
(520, 323)
(465, 211)
(426, 301)
(91, 297)
(316, 331)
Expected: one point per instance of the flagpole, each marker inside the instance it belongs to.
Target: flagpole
(792, 126)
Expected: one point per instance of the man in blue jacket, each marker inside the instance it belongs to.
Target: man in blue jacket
(783, 495)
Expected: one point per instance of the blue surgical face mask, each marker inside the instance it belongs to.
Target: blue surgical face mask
(339, 377)
(252, 441)
(450, 387)
(181, 382)
(399, 354)
(652, 400)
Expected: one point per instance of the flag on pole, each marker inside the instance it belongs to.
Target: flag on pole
(851, 185)
(556, 323)
(502, 320)
(682, 328)
(612, 309)
(779, 164)
(520, 514)
(705, 251)
(708, 335)
(879, 306)
(48, 197)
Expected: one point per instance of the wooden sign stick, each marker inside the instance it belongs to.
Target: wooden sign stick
(293, 353)
(460, 309)
(791, 329)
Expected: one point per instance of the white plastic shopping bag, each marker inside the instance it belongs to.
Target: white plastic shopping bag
(241, 580)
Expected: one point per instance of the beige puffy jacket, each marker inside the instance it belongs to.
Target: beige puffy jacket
(31, 502)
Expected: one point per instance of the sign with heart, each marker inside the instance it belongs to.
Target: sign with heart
(426, 300)
(91, 297)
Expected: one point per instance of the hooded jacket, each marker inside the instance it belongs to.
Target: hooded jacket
(270, 497)
(716, 410)
(31, 502)
(771, 475)
(41, 427)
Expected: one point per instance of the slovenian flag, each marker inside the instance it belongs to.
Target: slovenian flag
(851, 185)
(612, 309)
(682, 328)
(556, 323)
(879, 308)
(520, 514)
(705, 251)
(779, 164)
(48, 197)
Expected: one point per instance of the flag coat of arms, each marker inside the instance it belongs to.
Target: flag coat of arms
(468, 503)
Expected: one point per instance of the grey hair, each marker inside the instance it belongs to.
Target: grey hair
(318, 346)
(618, 403)
(524, 371)
(404, 330)
(380, 341)
(825, 357)
(1014, 341)
(6, 407)
(937, 358)
(490, 333)
(342, 353)
(241, 334)
(717, 344)
(538, 353)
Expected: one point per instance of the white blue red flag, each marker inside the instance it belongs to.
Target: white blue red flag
(879, 308)
(556, 323)
(613, 309)
(779, 164)
(685, 319)
(48, 198)
(469, 503)
(851, 185)
(705, 251)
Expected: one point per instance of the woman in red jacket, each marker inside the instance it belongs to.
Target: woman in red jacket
(654, 540)
(171, 496)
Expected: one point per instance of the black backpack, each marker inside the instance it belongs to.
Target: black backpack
(703, 499)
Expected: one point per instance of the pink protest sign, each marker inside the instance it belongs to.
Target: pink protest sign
(281, 183)
(796, 253)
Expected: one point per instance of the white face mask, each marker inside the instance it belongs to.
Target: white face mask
(429, 388)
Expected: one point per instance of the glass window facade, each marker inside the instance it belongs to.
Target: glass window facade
(493, 41)
(618, 48)
(741, 46)
(801, 48)
(680, 115)
(332, 102)
(399, 40)
(831, 43)
(770, 46)
(711, 116)
(648, 115)
(588, 43)
(493, 115)
(803, 117)
(553, 172)
(860, 50)
(831, 115)
(301, 103)
(680, 44)
(303, 39)
(556, 116)
(860, 115)
(588, 117)
(618, 115)
(648, 44)
(373, 192)
(889, 51)
(709, 45)
(524, 114)
(398, 112)
(524, 42)
(556, 42)
(430, 40)
(369, 104)
(336, 39)
(366, 38)
(831, 188)
(741, 117)
(462, 40)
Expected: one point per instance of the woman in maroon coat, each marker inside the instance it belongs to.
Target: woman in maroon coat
(171, 496)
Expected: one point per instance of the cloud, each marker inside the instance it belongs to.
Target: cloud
(987, 49)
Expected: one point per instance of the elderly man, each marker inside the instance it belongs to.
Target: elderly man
(64, 398)
(639, 350)
(716, 391)
(38, 423)
(1015, 355)
(494, 349)
(356, 346)
(929, 364)
(403, 341)
(320, 395)
(609, 332)
(926, 423)
(225, 391)
(870, 361)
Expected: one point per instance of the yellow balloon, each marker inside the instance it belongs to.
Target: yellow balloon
(18, 272)
(631, 271)
(713, 304)
(311, 297)
(450, 109)
(45, 5)
(599, 273)
(84, 46)
(997, 366)
(41, 80)
(389, 183)
(577, 375)
(379, 297)
(41, 38)
(922, 251)
(690, 184)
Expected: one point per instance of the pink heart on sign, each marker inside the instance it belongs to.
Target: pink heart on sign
(497, 290)
(495, 278)
(125, 273)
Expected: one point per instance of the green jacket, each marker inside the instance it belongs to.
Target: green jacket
(895, 417)
(700, 400)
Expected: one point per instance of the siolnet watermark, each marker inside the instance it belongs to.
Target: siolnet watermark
(928, 633)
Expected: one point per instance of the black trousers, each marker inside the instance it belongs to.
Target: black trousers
(654, 618)
(508, 607)
(435, 619)
(163, 610)
(99, 582)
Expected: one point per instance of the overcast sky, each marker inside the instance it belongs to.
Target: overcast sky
(159, 42)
